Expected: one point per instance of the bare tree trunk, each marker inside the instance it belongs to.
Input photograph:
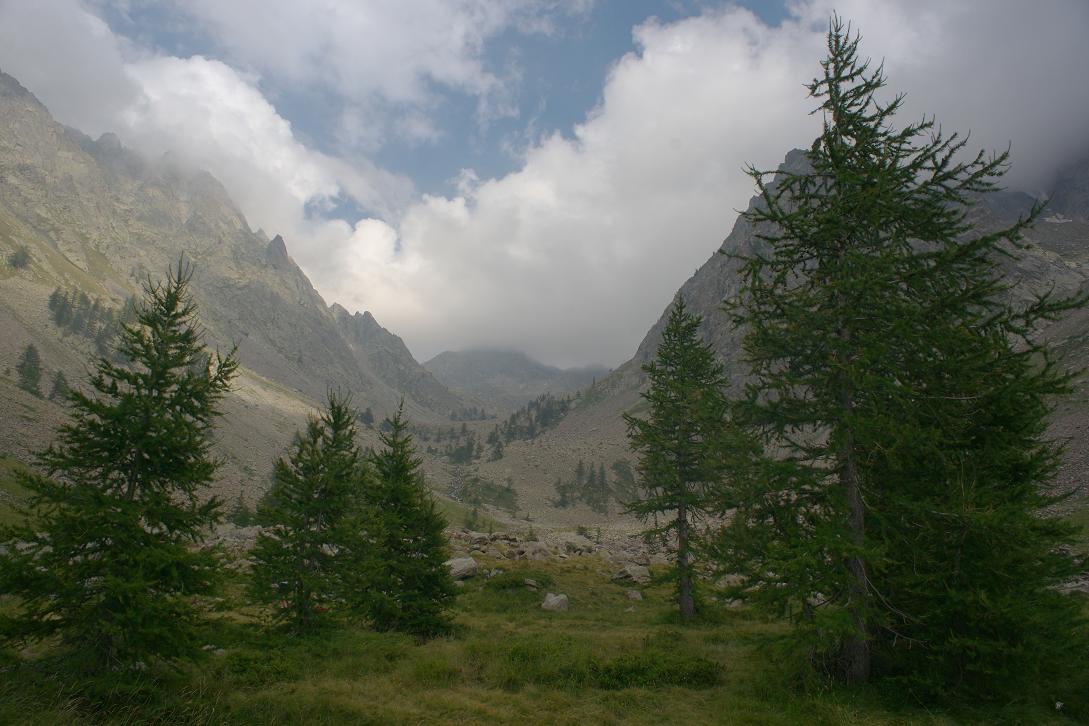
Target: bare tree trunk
(856, 647)
(684, 567)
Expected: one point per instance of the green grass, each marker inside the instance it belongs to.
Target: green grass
(607, 660)
(460, 515)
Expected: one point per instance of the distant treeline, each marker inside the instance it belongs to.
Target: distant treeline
(75, 313)
(589, 484)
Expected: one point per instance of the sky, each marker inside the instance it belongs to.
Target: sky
(536, 174)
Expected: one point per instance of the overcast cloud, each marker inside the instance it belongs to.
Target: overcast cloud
(574, 254)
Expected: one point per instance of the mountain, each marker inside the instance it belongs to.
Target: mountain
(504, 380)
(1055, 257)
(98, 219)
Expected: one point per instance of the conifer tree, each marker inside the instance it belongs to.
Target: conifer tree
(59, 388)
(683, 444)
(110, 555)
(410, 587)
(903, 405)
(298, 562)
(29, 369)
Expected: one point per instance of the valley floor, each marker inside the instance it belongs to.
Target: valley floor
(609, 659)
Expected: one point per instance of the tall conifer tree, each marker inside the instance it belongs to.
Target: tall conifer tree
(682, 444)
(110, 555)
(903, 404)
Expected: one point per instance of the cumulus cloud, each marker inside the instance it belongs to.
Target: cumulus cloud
(573, 255)
(382, 54)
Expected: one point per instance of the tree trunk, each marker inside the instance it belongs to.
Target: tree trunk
(856, 647)
(684, 567)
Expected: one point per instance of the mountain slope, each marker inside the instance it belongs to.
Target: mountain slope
(1053, 258)
(99, 220)
(506, 379)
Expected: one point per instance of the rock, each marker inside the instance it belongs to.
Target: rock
(555, 603)
(534, 551)
(531, 584)
(575, 544)
(631, 572)
(461, 567)
(635, 595)
(660, 560)
(219, 652)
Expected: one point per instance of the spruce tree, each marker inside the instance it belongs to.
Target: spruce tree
(410, 587)
(298, 563)
(58, 390)
(682, 444)
(29, 369)
(110, 555)
(902, 403)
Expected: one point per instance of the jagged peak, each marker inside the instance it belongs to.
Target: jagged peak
(276, 252)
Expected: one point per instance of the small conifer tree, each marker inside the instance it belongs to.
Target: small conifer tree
(410, 588)
(297, 559)
(682, 445)
(58, 390)
(29, 369)
(110, 555)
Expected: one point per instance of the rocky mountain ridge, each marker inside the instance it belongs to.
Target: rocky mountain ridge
(505, 379)
(99, 219)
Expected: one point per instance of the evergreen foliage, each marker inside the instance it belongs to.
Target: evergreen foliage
(58, 389)
(29, 370)
(20, 258)
(588, 485)
(903, 405)
(77, 314)
(410, 587)
(110, 555)
(299, 557)
(682, 444)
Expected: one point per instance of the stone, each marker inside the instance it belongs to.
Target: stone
(531, 584)
(574, 544)
(461, 567)
(635, 595)
(555, 603)
(632, 572)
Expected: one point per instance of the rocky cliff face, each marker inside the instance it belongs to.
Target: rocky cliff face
(97, 218)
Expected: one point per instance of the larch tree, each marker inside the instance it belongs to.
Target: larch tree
(683, 444)
(299, 557)
(110, 554)
(29, 370)
(902, 403)
(405, 585)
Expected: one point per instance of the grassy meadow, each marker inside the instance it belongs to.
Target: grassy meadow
(607, 660)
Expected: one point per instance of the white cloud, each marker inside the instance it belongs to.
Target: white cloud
(380, 54)
(575, 254)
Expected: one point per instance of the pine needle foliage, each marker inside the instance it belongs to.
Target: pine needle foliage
(902, 400)
(29, 370)
(111, 554)
(406, 585)
(682, 444)
(299, 559)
